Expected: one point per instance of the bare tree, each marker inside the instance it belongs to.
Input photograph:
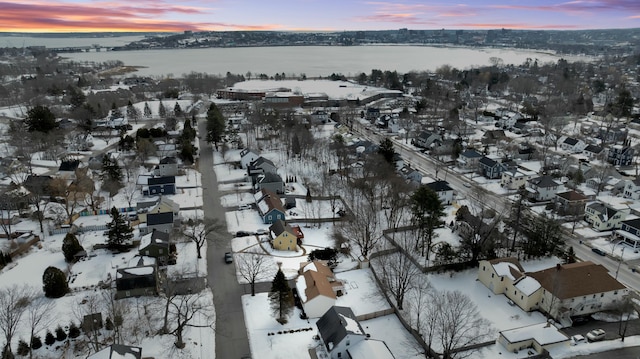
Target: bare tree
(39, 315)
(422, 309)
(362, 229)
(459, 324)
(397, 275)
(200, 231)
(182, 312)
(14, 301)
(251, 267)
(116, 311)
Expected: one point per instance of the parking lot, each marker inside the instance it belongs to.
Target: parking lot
(612, 329)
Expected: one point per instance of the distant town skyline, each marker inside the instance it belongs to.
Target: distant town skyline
(312, 15)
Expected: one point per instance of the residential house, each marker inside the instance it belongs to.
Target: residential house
(271, 182)
(570, 203)
(319, 117)
(411, 174)
(593, 152)
(260, 166)
(164, 149)
(632, 189)
(160, 186)
(247, 156)
(571, 144)
(540, 337)
(426, 139)
(491, 137)
(468, 160)
(543, 188)
(168, 166)
(67, 168)
(157, 245)
(630, 233)
(317, 288)
(284, 237)
(343, 337)
(525, 152)
(443, 190)
(620, 155)
(563, 291)
(164, 222)
(517, 177)
(490, 168)
(137, 280)
(92, 322)
(38, 184)
(372, 114)
(603, 217)
(118, 351)
(270, 206)
(160, 205)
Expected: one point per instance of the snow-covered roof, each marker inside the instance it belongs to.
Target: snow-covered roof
(351, 325)
(503, 269)
(528, 285)
(542, 333)
(370, 349)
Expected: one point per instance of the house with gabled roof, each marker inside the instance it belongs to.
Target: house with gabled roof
(160, 205)
(284, 236)
(593, 151)
(491, 137)
(632, 188)
(139, 279)
(160, 186)
(572, 145)
(630, 233)
(270, 181)
(543, 188)
(563, 291)
(514, 178)
(411, 174)
(270, 206)
(247, 156)
(168, 166)
(260, 166)
(426, 139)
(491, 168)
(118, 351)
(343, 337)
(620, 155)
(443, 190)
(157, 245)
(468, 160)
(164, 222)
(603, 217)
(317, 288)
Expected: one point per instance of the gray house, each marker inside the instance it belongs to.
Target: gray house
(168, 166)
(157, 245)
(270, 181)
(490, 168)
(163, 222)
(261, 165)
(426, 139)
(247, 156)
(138, 280)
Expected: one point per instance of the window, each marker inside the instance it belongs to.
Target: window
(484, 268)
(492, 275)
(348, 342)
(502, 279)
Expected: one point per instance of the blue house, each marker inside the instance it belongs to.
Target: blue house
(270, 206)
(160, 185)
(490, 168)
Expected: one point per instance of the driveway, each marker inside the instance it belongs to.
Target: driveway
(611, 329)
(231, 333)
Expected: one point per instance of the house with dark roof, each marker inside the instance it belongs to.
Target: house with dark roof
(468, 160)
(157, 245)
(572, 145)
(491, 137)
(516, 177)
(563, 291)
(443, 190)
(247, 156)
(343, 337)
(426, 139)
(270, 206)
(570, 203)
(525, 152)
(284, 236)
(38, 184)
(629, 232)
(69, 165)
(543, 188)
(137, 280)
(260, 166)
(164, 222)
(490, 168)
(411, 174)
(118, 351)
(593, 151)
(317, 288)
(620, 155)
(160, 186)
(603, 217)
(168, 166)
(270, 181)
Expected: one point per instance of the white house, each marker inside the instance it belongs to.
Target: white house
(563, 291)
(539, 336)
(571, 144)
(318, 288)
(516, 177)
(443, 190)
(543, 188)
(247, 156)
(632, 189)
(603, 217)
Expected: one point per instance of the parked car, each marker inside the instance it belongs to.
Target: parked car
(262, 231)
(598, 251)
(243, 234)
(242, 207)
(578, 339)
(577, 321)
(596, 335)
(228, 257)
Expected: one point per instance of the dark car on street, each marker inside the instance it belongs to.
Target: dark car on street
(228, 257)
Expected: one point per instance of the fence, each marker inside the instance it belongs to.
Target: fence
(24, 247)
(380, 313)
(100, 212)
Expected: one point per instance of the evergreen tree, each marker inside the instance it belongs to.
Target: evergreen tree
(177, 110)
(386, 150)
(23, 348)
(162, 111)
(147, 110)
(281, 297)
(70, 247)
(36, 342)
(216, 125)
(61, 335)
(49, 339)
(74, 331)
(115, 111)
(132, 112)
(427, 211)
(119, 231)
(54, 283)
(40, 119)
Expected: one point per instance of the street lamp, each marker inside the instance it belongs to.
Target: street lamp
(620, 262)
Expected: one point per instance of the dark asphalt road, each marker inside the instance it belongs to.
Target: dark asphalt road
(231, 333)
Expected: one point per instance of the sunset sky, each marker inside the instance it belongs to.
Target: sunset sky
(312, 15)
